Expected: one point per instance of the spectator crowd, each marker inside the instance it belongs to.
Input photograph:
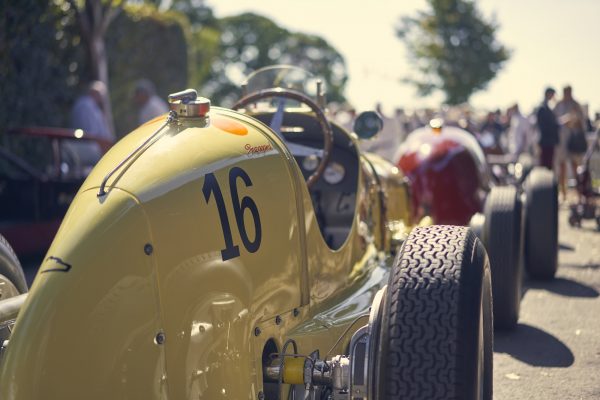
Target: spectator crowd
(554, 133)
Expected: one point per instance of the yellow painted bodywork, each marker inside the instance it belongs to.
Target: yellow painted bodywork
(88, 332)
(145, 261)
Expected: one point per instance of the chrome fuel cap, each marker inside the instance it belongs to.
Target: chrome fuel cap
(187, 104)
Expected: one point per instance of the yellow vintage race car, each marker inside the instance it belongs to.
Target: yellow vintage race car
(250, 254)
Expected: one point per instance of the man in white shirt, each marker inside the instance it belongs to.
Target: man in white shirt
(519, 132)
(87, 113)
(150, 105)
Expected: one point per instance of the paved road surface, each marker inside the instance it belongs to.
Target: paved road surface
(555, 351)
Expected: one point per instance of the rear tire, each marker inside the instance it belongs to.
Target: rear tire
(12, 278)
(503, 239)
(476, 224)
(437, 329)
(10, 267)
(541, 225)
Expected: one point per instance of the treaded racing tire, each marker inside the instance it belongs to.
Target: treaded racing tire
(10, 266)
(476, 223)
(503, 239)
(436, 335)
(12, 279)
(541, 225)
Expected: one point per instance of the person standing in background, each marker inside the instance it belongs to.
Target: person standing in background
(403, 124)
(490, 132)
(572, 144)
(548, 127)
(519, 132)
(149, 103)
(88, 115)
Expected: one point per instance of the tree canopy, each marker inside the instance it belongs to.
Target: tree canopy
(453, 48)
(145, 43)
(46, 67)
(41, 63)
(248, 42)
(174, 43)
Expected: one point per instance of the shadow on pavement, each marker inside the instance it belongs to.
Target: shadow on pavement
(589, 229)
(533, 346)
(565, 287)
(592, 266)
(563, 246)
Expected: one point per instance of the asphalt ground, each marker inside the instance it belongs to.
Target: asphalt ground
(554, 353)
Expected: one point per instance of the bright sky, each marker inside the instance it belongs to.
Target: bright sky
(554, 42)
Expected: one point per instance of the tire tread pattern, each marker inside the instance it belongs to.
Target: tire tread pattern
(541, 244)
(423, 304)
(502, 238)
(10, 265)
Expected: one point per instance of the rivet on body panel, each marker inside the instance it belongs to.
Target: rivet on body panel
(160, 338)
(257, 331)
(278, 320)
(296, 312)
(148, 249)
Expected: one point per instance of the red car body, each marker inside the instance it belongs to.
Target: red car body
(448, 174)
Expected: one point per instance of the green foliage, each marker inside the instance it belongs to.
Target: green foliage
(44, 64)
(41, 63)
(203, 49)
(203, 36)
(249, 42)
(145, 43)
(453, 48)
(196, 11)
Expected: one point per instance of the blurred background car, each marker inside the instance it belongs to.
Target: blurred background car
(453, 181)
(41, 169)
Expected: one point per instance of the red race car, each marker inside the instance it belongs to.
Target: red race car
(513, 210)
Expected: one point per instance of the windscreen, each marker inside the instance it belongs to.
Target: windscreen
(286, 77)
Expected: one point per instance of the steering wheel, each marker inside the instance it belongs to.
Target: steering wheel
(321, 119)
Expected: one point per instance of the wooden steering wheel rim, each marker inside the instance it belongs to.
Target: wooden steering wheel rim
(321, 119)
